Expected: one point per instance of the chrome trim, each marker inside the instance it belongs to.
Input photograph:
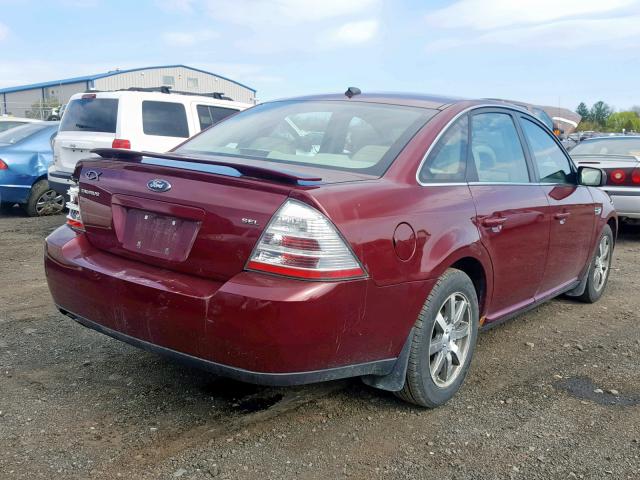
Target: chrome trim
(446, 127)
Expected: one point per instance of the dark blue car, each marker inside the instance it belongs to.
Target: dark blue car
(25, 155)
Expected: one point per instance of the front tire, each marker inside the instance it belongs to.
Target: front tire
(443, 342)
(600, 267)
(43, 200)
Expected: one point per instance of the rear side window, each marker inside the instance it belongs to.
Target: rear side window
(447, 162)
(164, 119)
(553, 165)
(208, 115)
(496, 150)
(90, 115)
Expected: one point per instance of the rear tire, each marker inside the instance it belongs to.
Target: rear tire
(43, 200)
(443, 342)
(599, 268)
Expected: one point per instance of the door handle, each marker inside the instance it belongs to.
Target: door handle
(493, 222)
(561, 215)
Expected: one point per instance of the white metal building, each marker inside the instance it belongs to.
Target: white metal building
(25, 100)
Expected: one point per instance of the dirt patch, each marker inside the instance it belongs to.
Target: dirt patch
(76, 404)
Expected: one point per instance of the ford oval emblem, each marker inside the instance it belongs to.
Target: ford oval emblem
(158, 185)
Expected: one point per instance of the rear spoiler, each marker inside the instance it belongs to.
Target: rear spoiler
(282, 176)
(594, 157)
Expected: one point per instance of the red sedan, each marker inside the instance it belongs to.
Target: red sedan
(333, 236)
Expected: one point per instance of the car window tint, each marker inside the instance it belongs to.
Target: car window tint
(90, 115)
(496, 149)
(553, 165)
(165, 119)
(447, 162)
(208, 114)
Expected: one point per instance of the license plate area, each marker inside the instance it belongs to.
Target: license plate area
(157, 235)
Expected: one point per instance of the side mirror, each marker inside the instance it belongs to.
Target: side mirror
(591, 177)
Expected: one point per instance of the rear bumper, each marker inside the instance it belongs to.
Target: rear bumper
(59, 181)
(626, 201)
(254, 327)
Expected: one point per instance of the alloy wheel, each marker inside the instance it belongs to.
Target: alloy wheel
(450, 340)
(50, 202)
(602, 263)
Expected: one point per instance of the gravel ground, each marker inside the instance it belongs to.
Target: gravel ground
(554, 393)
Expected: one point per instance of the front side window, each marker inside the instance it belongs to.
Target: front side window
(342, 135)
(496, 150)
(164, 119)
(90, 115)
(447, 162)
(553, 165)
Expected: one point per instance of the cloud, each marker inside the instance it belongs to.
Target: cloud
(354, 33)
(187, 39)
(4, 31)
(615, 33)
(490, 14)
(262, 14)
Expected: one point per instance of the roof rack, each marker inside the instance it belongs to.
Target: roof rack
(165, 89)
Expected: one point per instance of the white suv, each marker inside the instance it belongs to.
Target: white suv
(137, 119)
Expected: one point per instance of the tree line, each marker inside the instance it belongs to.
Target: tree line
(601, 117)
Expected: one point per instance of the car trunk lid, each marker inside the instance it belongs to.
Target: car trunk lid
(198, 216)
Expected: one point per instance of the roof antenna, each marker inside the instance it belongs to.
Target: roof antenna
(352, 91)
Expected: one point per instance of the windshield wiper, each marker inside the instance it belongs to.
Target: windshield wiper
(86, 127)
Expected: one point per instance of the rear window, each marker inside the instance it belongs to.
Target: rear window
(17, 134)
(164, 119)
(91, 115)
(608, 146)
(208, 114)
(342, 135)
(7, 125)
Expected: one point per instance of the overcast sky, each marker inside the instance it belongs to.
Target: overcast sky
(552, 52)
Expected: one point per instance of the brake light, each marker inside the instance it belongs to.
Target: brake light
(120, 143)
(74, 220)
(3, 166)
(635, 176)
(87, 96)
(618, 176)
(301, 242)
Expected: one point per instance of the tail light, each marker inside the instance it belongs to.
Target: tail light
(121, 143)
(301, 242)
(635, 176)
(3, 166)
(74, 220)
(618, 176)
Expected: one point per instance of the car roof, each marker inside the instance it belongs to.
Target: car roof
(10, 118)
(439, 102)
(159, 96)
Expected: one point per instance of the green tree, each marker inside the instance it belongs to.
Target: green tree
(627, 120)
(600, 112)
(583, 111)
(42, 108)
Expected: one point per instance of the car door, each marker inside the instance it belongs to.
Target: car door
(571, 208)
(510, 210)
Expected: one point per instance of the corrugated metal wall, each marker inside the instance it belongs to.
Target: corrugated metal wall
(184, 79)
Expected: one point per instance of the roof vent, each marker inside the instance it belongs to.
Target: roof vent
(352, 91)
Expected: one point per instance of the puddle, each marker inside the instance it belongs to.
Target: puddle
(584, 389)
(257, 404)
